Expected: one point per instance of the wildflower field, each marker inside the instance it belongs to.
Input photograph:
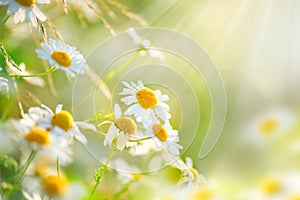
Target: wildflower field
(152, 100)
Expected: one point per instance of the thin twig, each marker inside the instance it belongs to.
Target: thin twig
(127, 12)
(101, 17)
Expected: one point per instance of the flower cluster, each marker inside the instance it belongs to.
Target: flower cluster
(45, 139)
(149, 108)
(48, 137)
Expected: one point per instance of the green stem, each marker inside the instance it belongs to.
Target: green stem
(139, 140)
(4, 21)
(58, 167)
(25, 167)
(30, 75)
(103, 170)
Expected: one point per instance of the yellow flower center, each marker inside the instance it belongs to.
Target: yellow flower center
(268, 126)
(63, 120)
(62, 58)
(54, 186)
(160, 132)
(27, 3)
(203, 194)
(126, 124)
(38, 135)
(146, 98)
(297, 197)
(136, 176)
(271, 186)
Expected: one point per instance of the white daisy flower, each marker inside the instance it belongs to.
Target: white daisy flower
(189, 174)
(123, 128)
(4, 86)
(144, 101)
(53, 187)
(164, 136)
(63, 57)
(270, 124)
(145, 44)
(46, 142)
(37, 81)
(277, 187)
(60, 121)
(25, 9)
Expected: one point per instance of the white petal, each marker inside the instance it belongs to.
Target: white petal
(111, 133)
(77, 134)
(58, 108)
(128, 85)
(117, 111)
(129, 100)
(38, 13)
(133, 109)
(189, 162)
(86, 125)
(122, 139)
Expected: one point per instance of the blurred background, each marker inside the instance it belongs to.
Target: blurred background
(254, 45)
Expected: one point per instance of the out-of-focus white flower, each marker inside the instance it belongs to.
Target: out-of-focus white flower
(270, 124)
(145, 44)
(25, 9)
(126, 172)
(277, 187)
(63, 57)
(164, 136)
(123, 128)
(54, 187)
(189, 173)
(60, 121)
(26, 134)
(144, 101)
(37, 81)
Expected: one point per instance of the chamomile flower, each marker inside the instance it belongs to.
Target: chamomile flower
(63, 57)
(25, 9)
(145, 44)
(189, 174)
(143, 100)
(122, 128)
(270, 124)
(277, 187)
(60, 121)
(28, 136)
(54, 187)
(164, 136)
